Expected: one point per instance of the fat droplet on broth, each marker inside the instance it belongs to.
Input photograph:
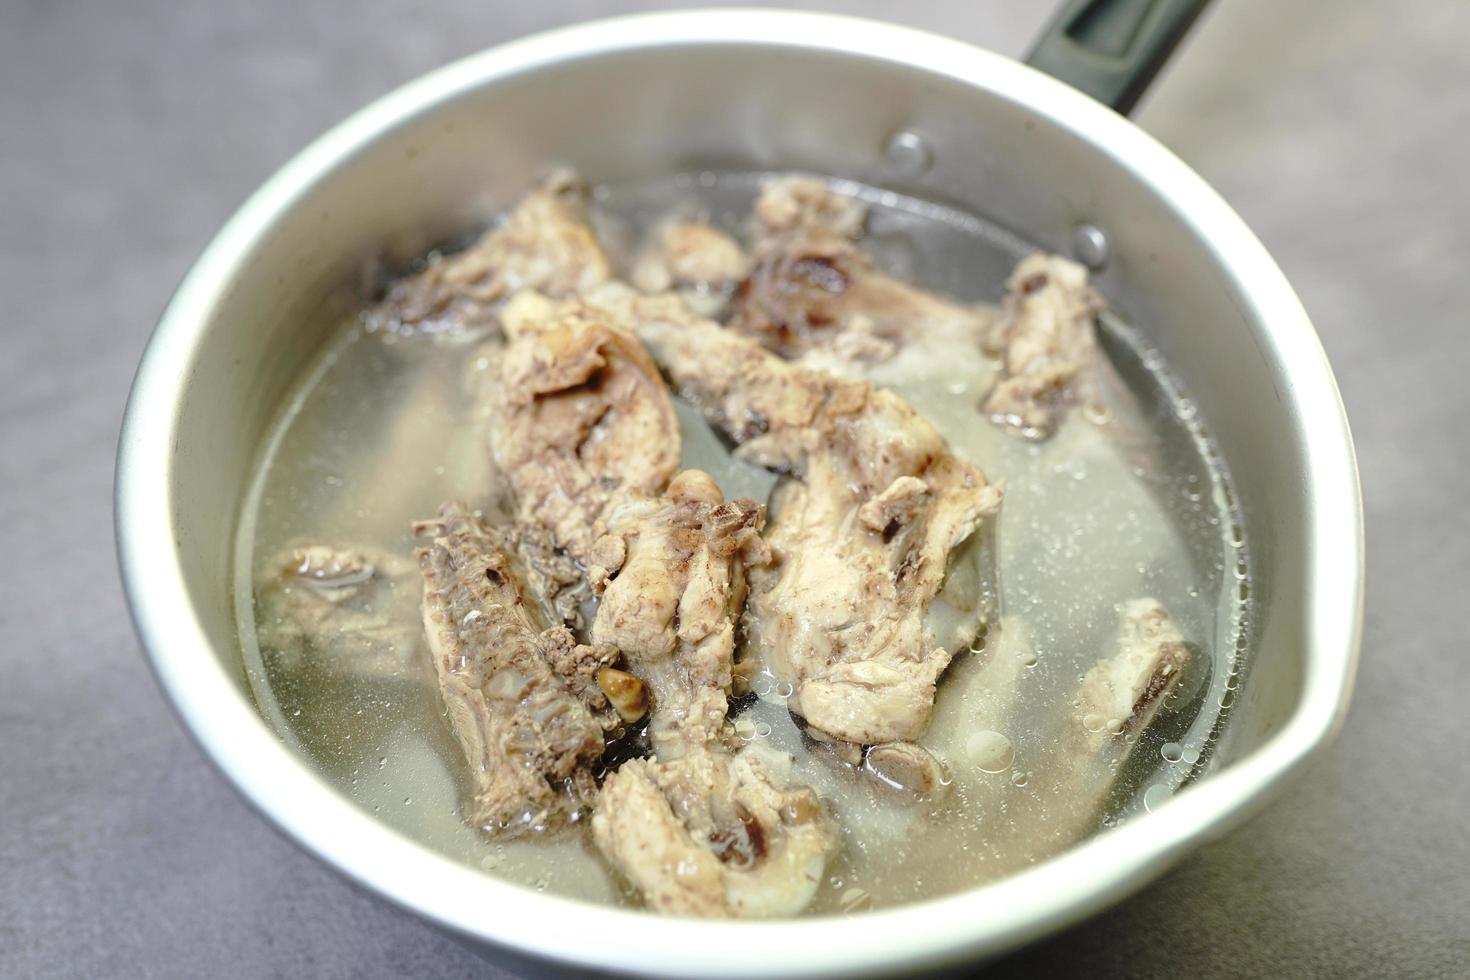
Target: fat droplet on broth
(1155, 796)
(989, 751)
(1066, 564)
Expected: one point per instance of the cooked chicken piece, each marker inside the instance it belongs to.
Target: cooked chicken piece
(862, 531)
(698, 830)
(1121, 695)
(581, 420)
(711, 834)
(544, 243)
(524, 699)
(349, 611)
(1046, 340)
(702, 264)
(1040, 777)
(844, 613)
(793, 203)
(1117, 699)
(673, 574)
(552, 579)
(769, 408)
(812, 291)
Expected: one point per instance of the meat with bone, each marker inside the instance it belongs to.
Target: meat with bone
(699, 829)
(862, 530)
(582, 419)
(1070, 785)
(715, 834)
(544, 243)
(1046, 341)
(812, 293)
(1118, 698)
(349, 611)
(1121, 695)
(702, 264)
(673, 572)
(522, 696)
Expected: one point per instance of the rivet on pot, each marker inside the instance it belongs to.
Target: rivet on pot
(1090, 246)
(908, 154)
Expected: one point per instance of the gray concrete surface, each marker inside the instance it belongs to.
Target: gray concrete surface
(129, 131)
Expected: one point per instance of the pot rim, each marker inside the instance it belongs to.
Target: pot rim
(983, 920)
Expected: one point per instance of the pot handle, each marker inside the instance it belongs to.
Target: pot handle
(1112, 49)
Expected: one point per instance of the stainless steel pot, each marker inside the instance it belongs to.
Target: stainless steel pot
(749, 90)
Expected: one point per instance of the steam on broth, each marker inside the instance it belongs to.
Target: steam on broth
(1125, 503)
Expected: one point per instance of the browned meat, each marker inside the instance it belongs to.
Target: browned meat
(581, 419)
(673, 571)
(711, 834)
(812, 289)
(1046, 341)
(523, 698)
(349, 611)
(862, 532)
(544, 243)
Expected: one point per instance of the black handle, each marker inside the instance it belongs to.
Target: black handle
(1112, 49)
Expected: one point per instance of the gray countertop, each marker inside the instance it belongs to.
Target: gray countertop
(129, 131)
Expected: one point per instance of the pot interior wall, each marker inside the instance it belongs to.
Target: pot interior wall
(731, 106)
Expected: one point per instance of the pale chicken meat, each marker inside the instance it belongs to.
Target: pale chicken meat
(581, 420)
(714, 834)
(814, 294)
(699, 262)
(700, 829)
(672, 571)
(348, 611)
(1046, 339)
(1118, 698)
(862, 531)
(1038, 780)
(1121, 694)
(844, 612)
(585, 435)
(522, 696)
(544, 243)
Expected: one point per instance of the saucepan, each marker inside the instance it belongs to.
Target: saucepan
(758, 91)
